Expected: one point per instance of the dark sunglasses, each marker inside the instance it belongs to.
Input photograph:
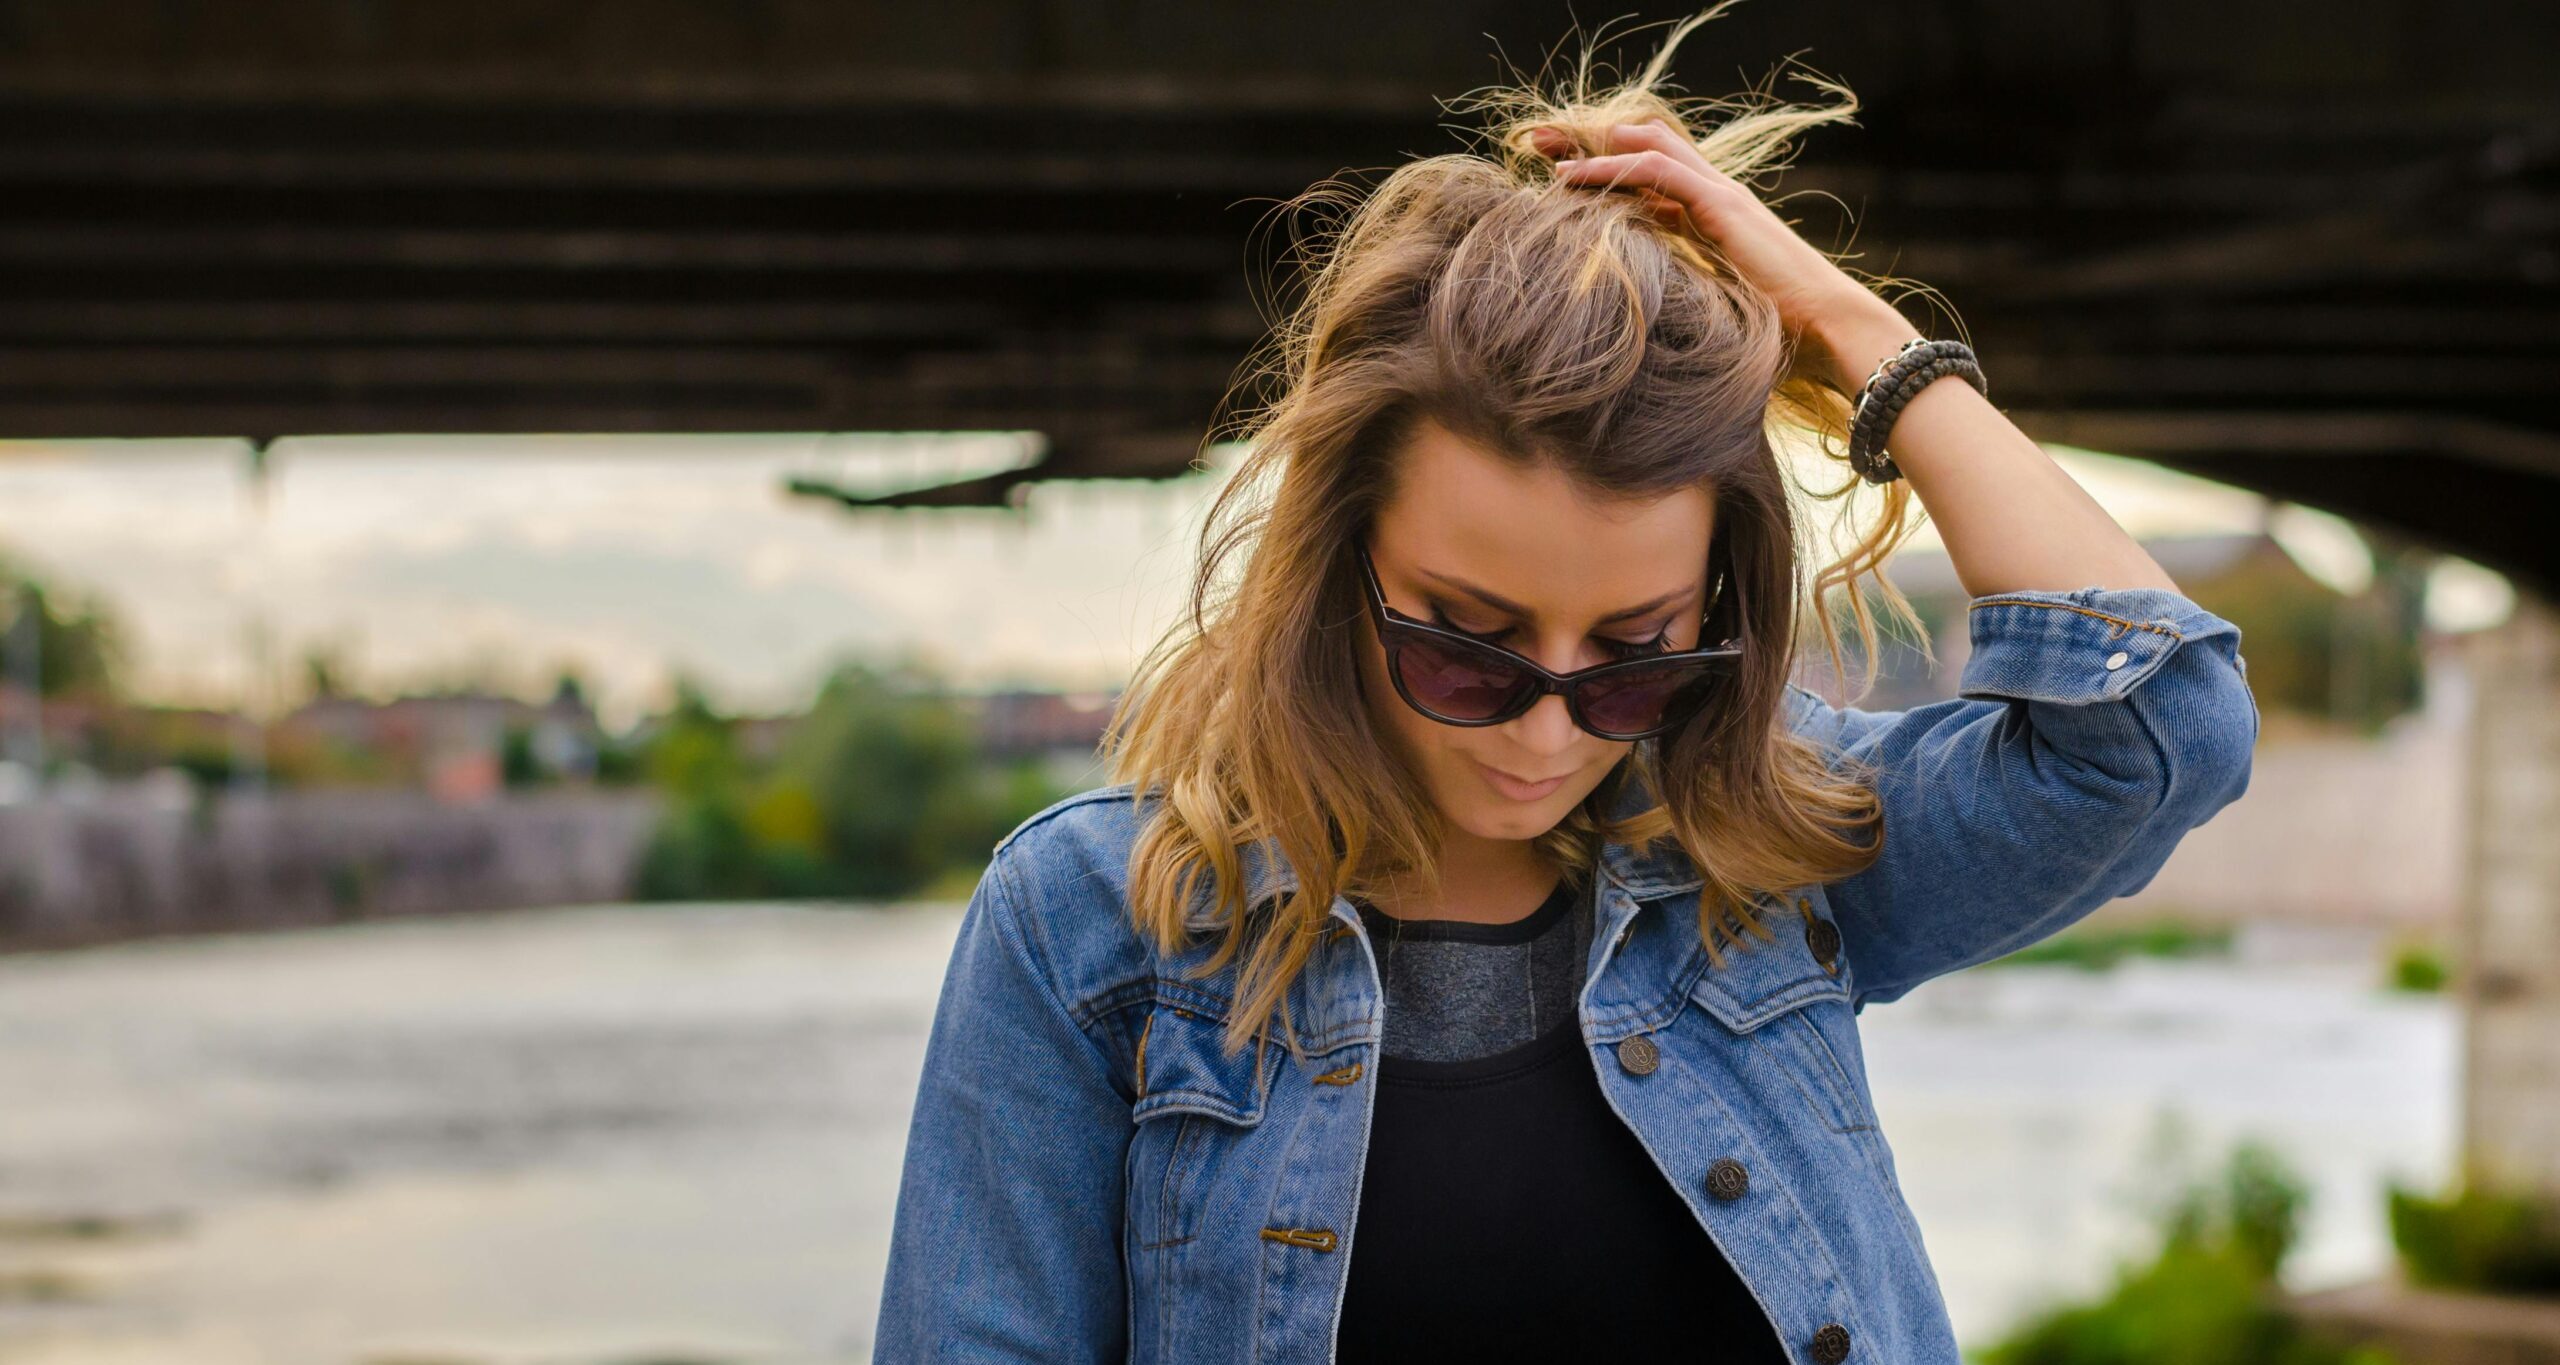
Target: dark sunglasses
(1457, 679)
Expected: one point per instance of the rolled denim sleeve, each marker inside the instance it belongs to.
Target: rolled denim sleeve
(2092, 728)
(1005, 1245)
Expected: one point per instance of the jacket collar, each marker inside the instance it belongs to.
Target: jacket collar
(1646, 873)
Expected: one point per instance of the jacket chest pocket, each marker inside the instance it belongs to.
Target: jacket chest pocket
(1788, 1001)
(1195, 1106)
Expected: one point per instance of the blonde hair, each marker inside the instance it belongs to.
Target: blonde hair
(1545, 322)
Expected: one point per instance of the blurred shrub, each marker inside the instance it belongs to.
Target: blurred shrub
(2477, 1238)
(2417, 965)
(2209, 1296)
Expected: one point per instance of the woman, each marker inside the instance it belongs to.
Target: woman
(1413, 994)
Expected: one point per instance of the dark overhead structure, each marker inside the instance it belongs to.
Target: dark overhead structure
(2312, 251)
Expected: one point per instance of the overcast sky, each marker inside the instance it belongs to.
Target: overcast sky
(414, 559)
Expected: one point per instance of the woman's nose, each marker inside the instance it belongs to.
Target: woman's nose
(1546, 728)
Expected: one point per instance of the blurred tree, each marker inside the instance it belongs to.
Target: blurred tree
(568, 688)
(884, 792)
(2353, 659)
(79, 645)
(694, 754)
(897, 777)
(517, 766)
(323, 674)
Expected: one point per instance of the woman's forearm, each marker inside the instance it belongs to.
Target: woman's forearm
(2010, 516)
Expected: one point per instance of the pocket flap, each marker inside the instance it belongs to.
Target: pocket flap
(1182, 1069)
(1759, 981)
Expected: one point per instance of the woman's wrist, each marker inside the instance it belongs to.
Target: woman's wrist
(1853, 340)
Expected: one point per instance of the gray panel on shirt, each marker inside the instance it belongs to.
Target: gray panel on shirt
(1457, 990)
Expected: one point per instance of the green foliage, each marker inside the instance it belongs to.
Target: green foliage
(2418, 966)
(517, 766)
(693, 757)
(620, 763)
(2477, 1238)
(80, 649)
(2208, 1296)
(700, 851)
(209, 767)
(2098, 948)
(2312, 651)
(882, 793)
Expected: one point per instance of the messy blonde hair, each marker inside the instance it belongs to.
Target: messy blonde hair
(1546, 322)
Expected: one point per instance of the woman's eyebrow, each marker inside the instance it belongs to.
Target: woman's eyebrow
(1501, 603)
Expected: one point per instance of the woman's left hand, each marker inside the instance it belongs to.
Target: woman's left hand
(1817, 301)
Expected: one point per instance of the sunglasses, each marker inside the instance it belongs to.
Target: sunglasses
(1457, 679)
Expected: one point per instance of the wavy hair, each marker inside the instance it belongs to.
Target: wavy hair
(1545, 322)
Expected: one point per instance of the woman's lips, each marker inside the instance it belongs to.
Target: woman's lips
(1516, 789)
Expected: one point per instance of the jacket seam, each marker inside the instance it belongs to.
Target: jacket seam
(2170, 631)
(1003, 909)
(1119, 791)
(1160, 989)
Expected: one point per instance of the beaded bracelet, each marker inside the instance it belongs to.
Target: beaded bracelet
(1896, 379)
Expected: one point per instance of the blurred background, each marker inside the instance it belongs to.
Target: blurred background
(542, 542)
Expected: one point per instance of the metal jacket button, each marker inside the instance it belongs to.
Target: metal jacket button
(1831, 1344)
(1638, 1055)
(1823, 937)
(1726, 1179)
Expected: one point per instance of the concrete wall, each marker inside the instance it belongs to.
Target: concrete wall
(122, 863)
(2340, 830)
(2510, 980)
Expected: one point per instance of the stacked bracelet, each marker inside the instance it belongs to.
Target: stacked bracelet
(1920, 363)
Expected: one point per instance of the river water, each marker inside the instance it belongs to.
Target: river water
(623, 1133)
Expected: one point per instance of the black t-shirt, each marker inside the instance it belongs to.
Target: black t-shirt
(1507, 1212)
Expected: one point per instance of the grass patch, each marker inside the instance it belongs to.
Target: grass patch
(2096, 948)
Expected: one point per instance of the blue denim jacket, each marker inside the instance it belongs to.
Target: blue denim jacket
(1088, 1178)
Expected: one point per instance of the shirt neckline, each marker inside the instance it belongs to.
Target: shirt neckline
(1510, 1063)
(1559, 902)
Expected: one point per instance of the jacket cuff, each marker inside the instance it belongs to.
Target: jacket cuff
(2078, 646)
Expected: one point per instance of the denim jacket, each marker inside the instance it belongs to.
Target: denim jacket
(1087, 1177)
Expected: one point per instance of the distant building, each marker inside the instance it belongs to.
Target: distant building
(110, 735)
(1018, 723)
(455, 745)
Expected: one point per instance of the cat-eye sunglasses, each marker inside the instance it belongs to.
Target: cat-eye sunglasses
(1457, 679)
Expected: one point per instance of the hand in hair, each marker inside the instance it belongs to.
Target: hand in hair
(1815, 298)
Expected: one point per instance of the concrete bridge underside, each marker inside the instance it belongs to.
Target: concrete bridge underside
(2318, 256)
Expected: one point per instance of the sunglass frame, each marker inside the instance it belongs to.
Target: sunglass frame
(1396, 630)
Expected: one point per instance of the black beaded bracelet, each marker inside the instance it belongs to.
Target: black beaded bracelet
(1920, 363)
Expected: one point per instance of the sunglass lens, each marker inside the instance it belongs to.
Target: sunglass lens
(1633, 700)
(1457, 683)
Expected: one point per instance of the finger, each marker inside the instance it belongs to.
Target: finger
(1552, 142)
(1635, 170)
(1664, 208)
(1656, 136)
